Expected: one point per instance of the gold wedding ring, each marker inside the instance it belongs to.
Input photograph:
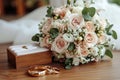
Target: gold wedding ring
(37, 71)
(42, 70)
(25, 47)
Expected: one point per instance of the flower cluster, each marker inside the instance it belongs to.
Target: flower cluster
(76, 34)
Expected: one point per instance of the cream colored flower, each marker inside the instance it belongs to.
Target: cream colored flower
(103, 23)
(76, 21)
(84, 51)
(44, 42)
(59, 45)
(76, 61)
(77, 10)
(102, 39)
(47, 26)
(90, 26)
(59, 25)
(91, 39)
(68, 37)
(94, 51)
(60, 12)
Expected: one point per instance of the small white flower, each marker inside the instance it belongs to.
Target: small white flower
(94, 51)
(102, 51)
(80, 38)
(83, 60)
(68, 37)
(76, 61)
(77, 10)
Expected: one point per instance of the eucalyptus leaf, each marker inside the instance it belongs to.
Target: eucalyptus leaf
(108, 29)
(109, 53)
(75, 1)
(68, 2)
(54, 33)
(36, 37)
(68, 67)
(49, 12)
(114, 34)
(71, 46)
(68, 63)
(88, 13)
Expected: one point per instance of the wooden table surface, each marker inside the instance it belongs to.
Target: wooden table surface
(107, 69)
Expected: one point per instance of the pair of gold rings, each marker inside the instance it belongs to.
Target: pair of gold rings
(42, 70)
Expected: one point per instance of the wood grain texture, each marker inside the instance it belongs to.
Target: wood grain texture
(28, 59)
(105, 70)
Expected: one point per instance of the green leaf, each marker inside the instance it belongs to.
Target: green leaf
(68, 63)
(109, 53)
(114, 34)
(75, 1)
(68, 2)
(92, 11)
(71, 46)
(68, 67)
(54, 33)
(35, 37)
(108, 29)
(88, 13)
(49, 12)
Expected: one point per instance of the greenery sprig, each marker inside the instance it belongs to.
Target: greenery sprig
(88, 13)
(49, 12)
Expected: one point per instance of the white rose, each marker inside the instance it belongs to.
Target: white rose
(94, 51)
(68, 37)
(91, 39)
(59, 45)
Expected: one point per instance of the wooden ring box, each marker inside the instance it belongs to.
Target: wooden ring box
(27, 55)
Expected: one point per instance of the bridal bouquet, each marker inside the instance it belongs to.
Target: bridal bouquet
(76, 34)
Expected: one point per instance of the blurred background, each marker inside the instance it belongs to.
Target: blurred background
(14, 9)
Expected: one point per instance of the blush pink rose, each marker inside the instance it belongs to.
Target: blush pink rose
(47, 26)
(76, 21)
(59, 45)
(90, 26)
(84, 52)
(91, 39)
(60, 12)
(102, 39)
(45, 42)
